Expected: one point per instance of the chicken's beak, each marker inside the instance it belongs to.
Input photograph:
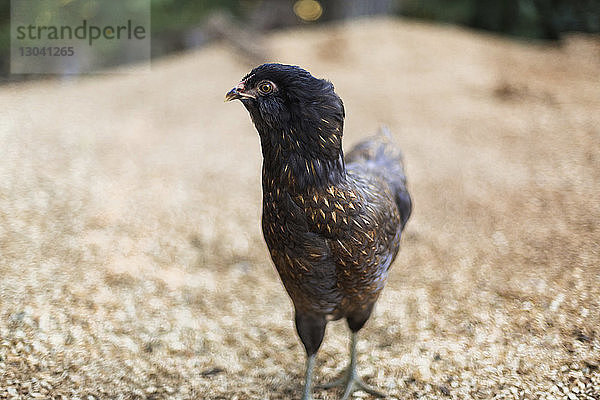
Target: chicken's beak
(238, 93)
(233, 94)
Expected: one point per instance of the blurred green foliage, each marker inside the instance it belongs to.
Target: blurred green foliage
(172, 15)
(541, 19)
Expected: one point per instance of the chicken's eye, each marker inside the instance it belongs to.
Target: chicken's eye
(265, 87)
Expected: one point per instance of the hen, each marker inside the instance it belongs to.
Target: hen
(332, 224)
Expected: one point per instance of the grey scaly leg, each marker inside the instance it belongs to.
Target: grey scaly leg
(350, 379)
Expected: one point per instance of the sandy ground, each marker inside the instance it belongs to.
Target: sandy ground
(132, 264)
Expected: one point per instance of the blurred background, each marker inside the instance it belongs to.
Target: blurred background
(178, 25)
(132, 265)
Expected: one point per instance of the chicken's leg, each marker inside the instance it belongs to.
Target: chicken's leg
(350, 379)
(311, 329)
(310, 366)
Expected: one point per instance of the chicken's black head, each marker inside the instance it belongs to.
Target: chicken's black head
(299, 118)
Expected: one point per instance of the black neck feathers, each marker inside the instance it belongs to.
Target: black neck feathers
(302, 154)
(300, 120)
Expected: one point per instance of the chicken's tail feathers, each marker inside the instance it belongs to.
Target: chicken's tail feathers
(384, 130)
(383, 157)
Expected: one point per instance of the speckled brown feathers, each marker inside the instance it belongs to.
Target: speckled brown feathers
(332, 228)
(333, 245)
